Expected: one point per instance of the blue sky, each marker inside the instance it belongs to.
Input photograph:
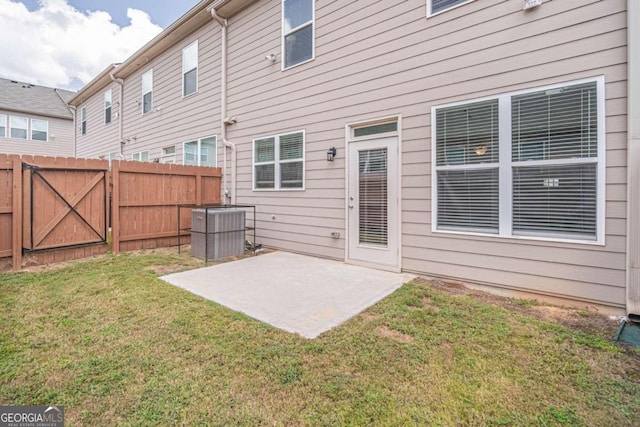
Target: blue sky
(162, 12)
(66, 43)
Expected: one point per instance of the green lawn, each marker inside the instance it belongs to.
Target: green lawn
(117, 346)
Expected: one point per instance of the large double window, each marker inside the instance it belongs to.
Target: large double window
(278, 162)
(200, 152)
(297, 31)
(523, 164)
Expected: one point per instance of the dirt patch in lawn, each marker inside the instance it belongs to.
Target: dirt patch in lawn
(396, 335)
(588, 319)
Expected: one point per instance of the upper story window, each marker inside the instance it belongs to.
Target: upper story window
(19, 127)
(3, 125)
(297, 31)
(147, 91)
(107, 106)
(39, 130)
(83, 123)
(190, 69)
(200, 152)
(523, 164)
(436, 6)
(278, 162)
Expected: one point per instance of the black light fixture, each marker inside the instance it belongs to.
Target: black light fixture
(331, 154)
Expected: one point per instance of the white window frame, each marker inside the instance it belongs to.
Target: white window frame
(429, 5)
(184, 71)
(26, 138)
(108, 94)
(46, 122)
(293, 30)
(83, 120)
(4, 125)
(506, 167)
(170, 157)
(137, 157)
(199, 151)
(277, 162)
(142, 78)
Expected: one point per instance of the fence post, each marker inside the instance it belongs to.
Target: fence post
(16, 244)
(198, 188)
(115, 207)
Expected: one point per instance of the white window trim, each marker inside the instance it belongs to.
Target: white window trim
(5, 125)
(110, 107)
(293, 30)
(506, 169)
(9, 128)
(429, 14)
(276, 162)
(144, 93)
(31, 130)
(83, 120)
(198, 150)
(195, 42)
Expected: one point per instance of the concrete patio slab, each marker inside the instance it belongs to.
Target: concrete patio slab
(297, 293)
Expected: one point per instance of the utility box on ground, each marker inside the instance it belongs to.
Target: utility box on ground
(217, 233)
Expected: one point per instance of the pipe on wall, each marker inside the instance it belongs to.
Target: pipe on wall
(633, 158)
(120, 115)
(229, 194)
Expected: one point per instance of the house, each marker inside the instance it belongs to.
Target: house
(35, 120)
(485, 141)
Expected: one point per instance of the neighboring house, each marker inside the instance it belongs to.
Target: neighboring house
(35, 120)
(474, 140)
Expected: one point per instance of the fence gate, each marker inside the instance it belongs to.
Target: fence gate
(64, 206)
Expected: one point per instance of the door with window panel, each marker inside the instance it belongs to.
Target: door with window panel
(373, 202)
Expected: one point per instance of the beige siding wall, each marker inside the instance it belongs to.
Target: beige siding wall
(100, 139)
(377, 59)
(60, 137)
(174, 119)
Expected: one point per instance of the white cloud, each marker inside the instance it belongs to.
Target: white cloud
(57, 45)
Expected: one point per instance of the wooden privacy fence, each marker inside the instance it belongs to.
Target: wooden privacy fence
(57, 209)
(144, 202)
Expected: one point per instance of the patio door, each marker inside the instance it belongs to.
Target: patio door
(372, 202)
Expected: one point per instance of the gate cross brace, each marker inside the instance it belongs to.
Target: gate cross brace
(71, 204)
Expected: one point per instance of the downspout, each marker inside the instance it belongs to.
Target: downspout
(633, 159)
(72, 109)
(229, 194)
(120, 115)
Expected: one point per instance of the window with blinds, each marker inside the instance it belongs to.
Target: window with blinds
(437, 6)
(373, 197)
(467, 155)
(559, 125)
(278, 162)
(526, 164)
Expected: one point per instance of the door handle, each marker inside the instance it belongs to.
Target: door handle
(350, 206)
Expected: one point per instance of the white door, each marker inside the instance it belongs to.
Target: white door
(372, 202)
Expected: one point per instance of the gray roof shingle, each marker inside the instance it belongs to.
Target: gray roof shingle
(28, 98)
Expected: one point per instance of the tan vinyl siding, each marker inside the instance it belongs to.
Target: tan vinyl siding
(100, 139)
(379, 59)
(59, 143)
(175, 119)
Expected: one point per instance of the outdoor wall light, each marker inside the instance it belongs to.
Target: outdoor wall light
(331, 154)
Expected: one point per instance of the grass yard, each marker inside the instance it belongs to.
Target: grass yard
(117, 346)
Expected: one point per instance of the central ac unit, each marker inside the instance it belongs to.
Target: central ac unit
(217, 233)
